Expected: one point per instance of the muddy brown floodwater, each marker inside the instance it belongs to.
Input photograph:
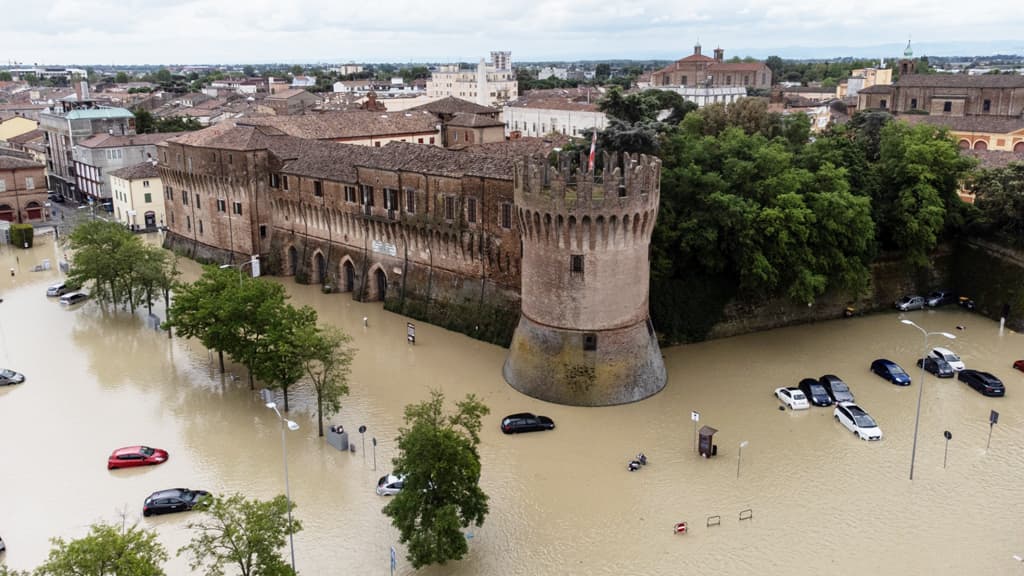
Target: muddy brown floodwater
(562, 502)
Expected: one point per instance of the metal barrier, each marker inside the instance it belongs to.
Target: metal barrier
(713, 521)
(747, 514)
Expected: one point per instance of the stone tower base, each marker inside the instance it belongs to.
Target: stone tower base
(551, 364)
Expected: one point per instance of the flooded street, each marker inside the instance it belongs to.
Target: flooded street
(561, 502)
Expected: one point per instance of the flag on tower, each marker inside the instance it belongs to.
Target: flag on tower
(593, 148)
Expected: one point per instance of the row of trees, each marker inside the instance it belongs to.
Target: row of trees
(246, 534)
(752, 206)
(250, 320)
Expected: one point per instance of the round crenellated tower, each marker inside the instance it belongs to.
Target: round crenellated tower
(585, 335)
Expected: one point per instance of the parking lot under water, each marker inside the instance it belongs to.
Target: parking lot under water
(562, 502)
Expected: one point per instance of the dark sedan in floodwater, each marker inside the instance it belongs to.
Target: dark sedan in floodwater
(891, 371)
(815, 392)
(525, 422)
(937, 366)
(173, 500)
(983, 382)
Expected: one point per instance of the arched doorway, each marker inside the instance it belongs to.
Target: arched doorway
(6, 213)
(381, 284)
(150, 219)
(293, 260)
(965, 145)
(1019, 147)
(981, 145)
(34, 210)
(320, 265)
(349, 276)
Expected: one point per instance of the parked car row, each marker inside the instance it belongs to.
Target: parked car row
(161, 501)
(932, 300)
(824, 391)
(68, 296)
(944, 363)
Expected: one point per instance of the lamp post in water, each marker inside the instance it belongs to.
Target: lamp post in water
(293, 426)
(920, 385)
(739, 457)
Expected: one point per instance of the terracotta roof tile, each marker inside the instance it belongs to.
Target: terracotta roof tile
(13, 163)
(466, 120)
(348, 124)
(453, 105)
(112, 141)
(574, 99)
(137, 172)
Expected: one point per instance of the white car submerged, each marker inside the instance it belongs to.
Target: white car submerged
(857, 421)
(792, 397)
(950, 357)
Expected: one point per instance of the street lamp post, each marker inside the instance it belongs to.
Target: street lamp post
(240, 268)
(920, 386)
(293, 426)
(739, 457)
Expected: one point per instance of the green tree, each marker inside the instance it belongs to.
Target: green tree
(144, 122)
(5, 76)
(104, 255)
(297, 70)
(327, 360)
(5, 571)
(279, 361)
(920, 173)
(602, 71)
(121, 78)
(1000, 200)
(107, 551)
(253, 314)
(247, 534)
(163, 75)
(438, 457)
(203, 310)
(249, 70)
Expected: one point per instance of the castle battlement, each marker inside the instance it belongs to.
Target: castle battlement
(563, 206)
(621, 183)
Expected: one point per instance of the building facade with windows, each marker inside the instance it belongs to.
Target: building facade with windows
(698, 70)
(22, 188)
(66, 126)
(539, 113)
(490, 83)
(138, 196)
(100, 155)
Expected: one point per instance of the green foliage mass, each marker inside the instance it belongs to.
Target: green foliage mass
(441, 496)
(1000, 201)
(245, 534)
(106, 551)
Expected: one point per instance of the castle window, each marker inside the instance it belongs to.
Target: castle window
(913, 103)
(883, 104)
(197, 201)
(576, 265)
(318, 188)
(184, 197)
(589, 342)
(449, 207)
(237, 208)
(986, 106)
(188, 223)
(410, 200)
(263, 230)
(367, 195)
(200, 227)
(685, 81)
(222, 205)
(350, 194)
(506, 215)
(285, 182)
(275, 180)
(947, 106)
(471, 210)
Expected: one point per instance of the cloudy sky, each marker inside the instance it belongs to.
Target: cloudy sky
(254, 31)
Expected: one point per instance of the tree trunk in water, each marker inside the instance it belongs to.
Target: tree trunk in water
(252, 383)
(149, 300)
(320, 413)
(167, 302)
(220, 355)
(285, 388)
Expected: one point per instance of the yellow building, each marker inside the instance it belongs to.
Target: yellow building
(862, 78)
(138, 196)
(978, 132)
(16, 126)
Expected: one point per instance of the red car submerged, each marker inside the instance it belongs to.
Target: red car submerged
(136, 456)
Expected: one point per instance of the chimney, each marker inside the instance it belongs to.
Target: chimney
(719, 55)
(696, 49)
(85, 89)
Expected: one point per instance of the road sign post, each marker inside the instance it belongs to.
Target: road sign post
(410, 332)
(993, 419)
(695, 416)
(948, 437)
(362, 439)
(394, 560)
(374, 442)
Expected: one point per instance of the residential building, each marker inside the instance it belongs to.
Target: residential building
(346, 69)
(15, 126)
(303, 81)
(138, 196)
(553, 72)
(862, 78)
(490, 83)
(569, 112)
(96, 157)
(468, 129)
(291, 102)
(31, 143)
(697, 70)
(275, 85)
(22, 188)
(67, 126)
(361, 127)
(47, 72)
(447, 109)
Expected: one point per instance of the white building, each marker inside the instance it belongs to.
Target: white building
(702, 96)
(491, 83)
(541, 112)
(138, 196)
(552, 72)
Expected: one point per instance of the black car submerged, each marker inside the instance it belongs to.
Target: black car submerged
(815, 392)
